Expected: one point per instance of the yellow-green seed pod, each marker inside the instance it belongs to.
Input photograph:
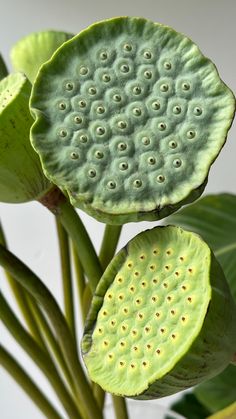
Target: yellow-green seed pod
(21, 176)
(162, 318)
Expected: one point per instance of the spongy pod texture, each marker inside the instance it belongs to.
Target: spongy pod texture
(162, 318)
(21, 175)
(129, 118)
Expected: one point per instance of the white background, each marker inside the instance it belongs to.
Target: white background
(29, 227)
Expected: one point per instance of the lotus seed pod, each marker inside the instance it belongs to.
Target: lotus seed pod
(162, 318)
(21, 175)
(145, 98)
(28, 54)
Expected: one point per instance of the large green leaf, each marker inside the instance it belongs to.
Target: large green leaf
(190, 407)
(219, 392)
(214, 218)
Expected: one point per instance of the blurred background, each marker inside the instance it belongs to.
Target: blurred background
(30, 229)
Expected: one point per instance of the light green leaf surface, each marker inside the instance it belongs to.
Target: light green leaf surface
(214, 218)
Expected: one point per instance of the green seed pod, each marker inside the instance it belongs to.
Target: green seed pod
(28, 54)
(162, 318)
(161, 98)
(21, 175)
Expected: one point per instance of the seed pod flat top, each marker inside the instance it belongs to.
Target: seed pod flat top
(162, 318)
(129, 117)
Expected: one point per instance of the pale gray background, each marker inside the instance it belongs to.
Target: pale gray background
(30, 229)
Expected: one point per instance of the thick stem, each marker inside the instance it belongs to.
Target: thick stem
(56, 202)
(40, 358)
(120, 407)
(21, 298)
(109, 244)
(66, 277)
(40, 292)
(79, 277)
(25, 382)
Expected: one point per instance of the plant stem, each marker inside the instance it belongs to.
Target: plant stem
(77, 232)
(109, 244)
(79, 275)
(3, 68)
(25, 382)
(39, 357)
(51, 341)
(66, 277)
(22, 301)
(40, 292)
(120, 407)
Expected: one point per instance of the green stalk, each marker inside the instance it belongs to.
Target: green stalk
(21, 299)
(66, 277)
(25, 382)
(51, 341)
(43, 296)
(79, 276)
(109, 244)
(39, 357)
(120, 407)
(77, 232)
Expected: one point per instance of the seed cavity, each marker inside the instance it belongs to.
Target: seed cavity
(197, 111)
(124, 68)
(146, 141)
(162, 126)
(137, 90)
(99, 154)
(100, 130)
(74, 155)
(83, 138)
(137, 183)
(92, 90)
(147, 74)
(106, 78)
(62, 106)
(137, 112)
(122, 124)
(69, 86)
(122, 146)
(116, 98)
(167, 65)
(160, 178)
(191, 134)
(185, 86)
(127, 47)
(82, 104)
(123, 166)
(177, 163)
(158, 351)
(103, 55)
(92, 173)
(172, 312)
(172, 144)
(147, 55)
(155, 281)
(111, 184)
(78, 119)
(156, 105)
(63, 133)
(151, 160)
(177, 109)
(100, 109)
(83, 70)
(164, 87)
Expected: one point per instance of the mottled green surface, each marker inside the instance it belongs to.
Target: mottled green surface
(21, 175)
(157, 321)
(129, 117)
(28, 54)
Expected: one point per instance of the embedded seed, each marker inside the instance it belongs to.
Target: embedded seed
(124, 68)
(78, 119)
(147, 74)
(172, 144)
(151, 160)
(63, 133)
(147, 55)
(92, 90)
(100, 130)
(137, 111)
(103, 55)
(167, 65)
(162, 126)
(146, 140)
(69, 86)
(177, 163)
(106, 78)
(83, 70)
(123, 166)
(117, 98)
(137, 90)
(197, 111)
(92, 173)
(191, 134)
(122, 124)
(82, 104)
(74, 155)
(122, 146)
(160, 178)
(83, 138)
(164, 87)
(185, 86)
(177, 109)
(99, 154)
(127, 47)
(137, 183)
(156, 105)
(100, 109)
(111, 184)
(62, 106)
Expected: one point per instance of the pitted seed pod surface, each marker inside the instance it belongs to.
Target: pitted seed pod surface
(129, 117)
(147, 312)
